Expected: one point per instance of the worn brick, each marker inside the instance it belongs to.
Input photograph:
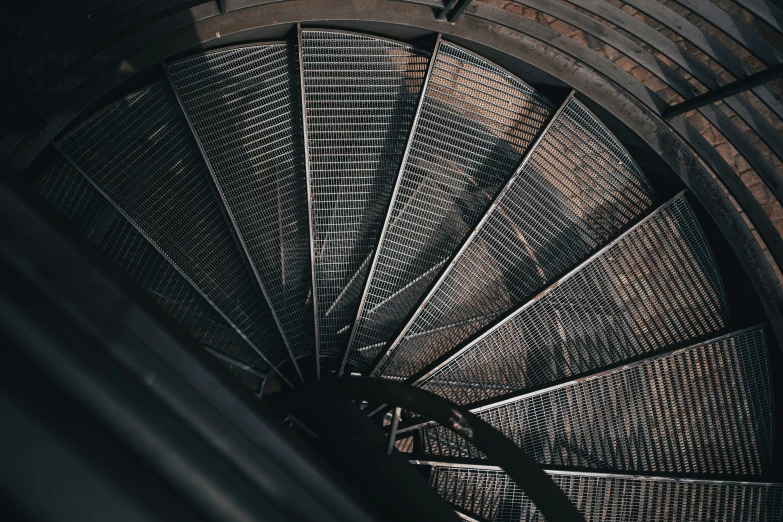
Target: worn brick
(563, 28)
(641, 74)
(625, 63)
(761, 193)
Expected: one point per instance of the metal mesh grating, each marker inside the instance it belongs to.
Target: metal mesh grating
(124, 246)
(493, 496)
(141, 154)
(360, 95)
(245, 109)
(475, 123)
(654, 287)
(544, 223)
(702, 409)
(252, 382)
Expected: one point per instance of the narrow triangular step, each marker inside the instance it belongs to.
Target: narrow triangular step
(656, 286)
(488, 493)
(474, 124)
(139, 152)
(245, 109)
(704, 409)
(106, 228)
(359, 97)
(576, 190)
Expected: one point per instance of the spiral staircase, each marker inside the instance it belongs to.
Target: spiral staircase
(339, 204)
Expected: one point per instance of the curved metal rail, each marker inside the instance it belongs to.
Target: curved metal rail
(536, 484)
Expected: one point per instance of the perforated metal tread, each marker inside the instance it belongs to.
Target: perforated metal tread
(474, 124)
(141, 154)
(360, 94)
(576, 191)
(490, 494)
(159, 217)
(704, 409)
(245, 109)
(656, 286)
(94, 216)
(249, 380)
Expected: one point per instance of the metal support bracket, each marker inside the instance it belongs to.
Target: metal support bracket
(452, 10)
(724, 91)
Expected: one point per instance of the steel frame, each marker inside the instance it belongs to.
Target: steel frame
(314, 286)
(457, 350)
(522, 41)
(390, 205)
(391, 345)
(457, 462)
(247, 259)
(480, 27)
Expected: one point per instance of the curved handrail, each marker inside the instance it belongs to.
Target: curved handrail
(536, 484)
